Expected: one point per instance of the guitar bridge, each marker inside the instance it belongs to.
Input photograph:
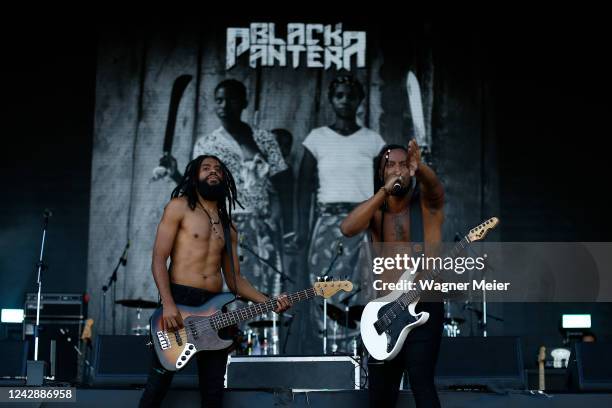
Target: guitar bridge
(164, 340)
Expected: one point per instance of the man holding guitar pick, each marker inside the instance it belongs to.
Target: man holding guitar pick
(194, 232)
(406, 207)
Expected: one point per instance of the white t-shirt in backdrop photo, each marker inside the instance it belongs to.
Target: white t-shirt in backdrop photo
(344, 163)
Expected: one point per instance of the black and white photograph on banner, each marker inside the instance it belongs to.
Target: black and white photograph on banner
(333, 210)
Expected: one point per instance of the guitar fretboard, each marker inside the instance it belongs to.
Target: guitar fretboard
(222, 320)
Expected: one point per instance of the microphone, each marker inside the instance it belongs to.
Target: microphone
(397, 186)
(124, 256)
(47, 213)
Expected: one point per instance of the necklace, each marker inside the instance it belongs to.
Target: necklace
(212, 222)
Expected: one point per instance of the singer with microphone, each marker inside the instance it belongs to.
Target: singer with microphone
(407, 207)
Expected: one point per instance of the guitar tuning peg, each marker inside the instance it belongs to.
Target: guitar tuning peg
(318, 279)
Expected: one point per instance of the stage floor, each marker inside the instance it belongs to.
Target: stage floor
(119, 398)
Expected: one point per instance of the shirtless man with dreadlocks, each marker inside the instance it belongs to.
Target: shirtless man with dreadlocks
(191, 233)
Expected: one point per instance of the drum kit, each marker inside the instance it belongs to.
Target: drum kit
(138, 304)
(261, 338)
(451, 323)
(344, 328)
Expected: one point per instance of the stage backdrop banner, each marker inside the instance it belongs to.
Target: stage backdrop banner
(138, 67)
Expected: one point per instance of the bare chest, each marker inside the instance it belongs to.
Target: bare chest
(201, 229)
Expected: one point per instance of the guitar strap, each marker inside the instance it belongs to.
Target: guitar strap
(228, 248)
(416, 216)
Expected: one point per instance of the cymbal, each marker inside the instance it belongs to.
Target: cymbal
(138, 303)
(261, 323)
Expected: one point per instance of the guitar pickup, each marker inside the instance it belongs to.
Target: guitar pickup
(193, 330)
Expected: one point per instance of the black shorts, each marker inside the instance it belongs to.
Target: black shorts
(190, 296)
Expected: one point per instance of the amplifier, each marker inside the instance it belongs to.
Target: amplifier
(473, 362)
(56, 342)
(590, 367)
(122, 360)
(297, 373)
(13, 354)
(55, 306)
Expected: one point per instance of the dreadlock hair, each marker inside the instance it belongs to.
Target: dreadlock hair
(379, 177)
(188, 187)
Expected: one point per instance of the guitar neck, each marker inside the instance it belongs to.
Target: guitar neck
(222, 320)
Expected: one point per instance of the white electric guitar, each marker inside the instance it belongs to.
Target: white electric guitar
(386, 322)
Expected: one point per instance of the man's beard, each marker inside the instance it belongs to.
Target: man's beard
(403, 190)
(214, 192)
(400, 192)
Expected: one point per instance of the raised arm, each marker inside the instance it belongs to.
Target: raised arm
(431, 187)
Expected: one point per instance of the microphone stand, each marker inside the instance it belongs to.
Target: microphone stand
(112, 282)
(345, 302)
(35, 369)
(483, 322)
(283, 275)
(339, 251)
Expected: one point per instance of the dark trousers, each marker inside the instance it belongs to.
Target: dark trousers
(211, 364)
(418, 356)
